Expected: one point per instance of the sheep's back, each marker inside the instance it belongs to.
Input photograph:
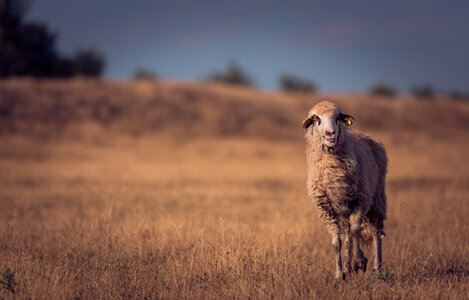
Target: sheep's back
(371, 160)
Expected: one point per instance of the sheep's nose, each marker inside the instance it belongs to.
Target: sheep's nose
(330, 132)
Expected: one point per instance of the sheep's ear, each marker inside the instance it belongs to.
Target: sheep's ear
(309, 121)
(348, 119)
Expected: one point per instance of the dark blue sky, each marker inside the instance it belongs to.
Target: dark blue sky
(341, 45)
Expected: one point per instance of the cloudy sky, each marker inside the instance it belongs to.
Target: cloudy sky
(341, 45)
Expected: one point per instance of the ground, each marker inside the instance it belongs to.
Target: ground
(210, 202)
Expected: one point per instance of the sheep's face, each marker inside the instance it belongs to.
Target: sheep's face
(328, 121)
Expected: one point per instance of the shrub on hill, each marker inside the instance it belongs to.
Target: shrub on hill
(234, 75)
(424, 91)
(383, 90)
(144, 74)
(292, 83)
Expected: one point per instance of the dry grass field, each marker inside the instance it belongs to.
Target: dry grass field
(184, 191)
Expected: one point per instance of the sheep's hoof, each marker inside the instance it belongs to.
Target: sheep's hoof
(376, 271)
(361, 265)
(340, 276)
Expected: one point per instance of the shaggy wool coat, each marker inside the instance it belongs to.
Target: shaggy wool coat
(346, 178)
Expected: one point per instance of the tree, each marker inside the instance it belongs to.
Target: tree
(12, 12)
(292, 83)
(383, 90)
(88, 63)
(28, 48)
(234, 74)
(425, 91)
(25, 48)
(458, 95)
(143, 74)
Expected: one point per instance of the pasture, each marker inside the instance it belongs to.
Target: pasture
(185, 191)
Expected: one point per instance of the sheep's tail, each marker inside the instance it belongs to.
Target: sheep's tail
(379, 207)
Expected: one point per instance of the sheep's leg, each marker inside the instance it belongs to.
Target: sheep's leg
(360, 259)
(337, 244)
(377, 251)
(348, 251)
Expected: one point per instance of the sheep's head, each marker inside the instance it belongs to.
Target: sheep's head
(328, 121)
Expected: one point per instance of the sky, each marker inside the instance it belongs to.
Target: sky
(340, 45)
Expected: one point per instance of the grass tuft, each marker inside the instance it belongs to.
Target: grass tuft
(8, 280)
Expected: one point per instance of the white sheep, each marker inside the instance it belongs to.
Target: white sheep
(346, 178)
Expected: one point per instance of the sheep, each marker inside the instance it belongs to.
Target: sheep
(346, 181)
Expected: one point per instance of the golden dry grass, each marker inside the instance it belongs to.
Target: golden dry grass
(139, 190)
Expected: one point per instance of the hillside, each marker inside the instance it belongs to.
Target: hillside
(80, 107)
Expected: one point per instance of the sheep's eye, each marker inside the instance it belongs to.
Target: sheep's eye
(317, 119)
